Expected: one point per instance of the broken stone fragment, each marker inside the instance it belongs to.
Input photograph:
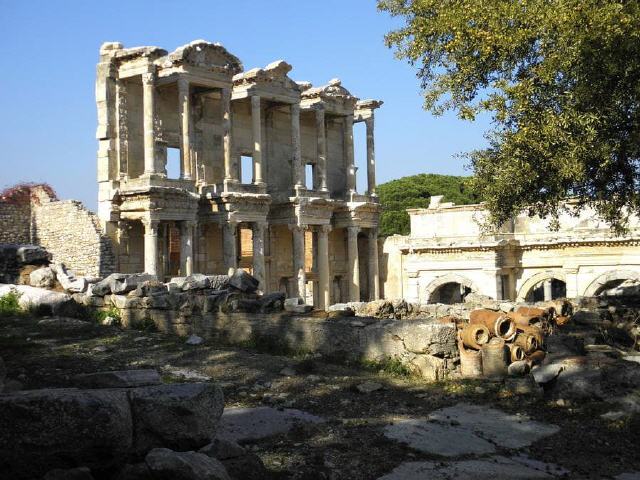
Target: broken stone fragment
(181, 416)
(120, 283)
(239, 463)
(32, 255)
(194, 340)
(165, 463)
(43, 277)
(244, 282)
(218, 282)
(149, 288)
(197, 281)
(272, 302)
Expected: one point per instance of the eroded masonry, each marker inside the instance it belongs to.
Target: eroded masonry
(204, 167)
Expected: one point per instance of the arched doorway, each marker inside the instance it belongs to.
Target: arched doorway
(543, 286)
(448, 289)
(608, 281)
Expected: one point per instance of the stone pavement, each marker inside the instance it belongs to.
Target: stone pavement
(463, 430)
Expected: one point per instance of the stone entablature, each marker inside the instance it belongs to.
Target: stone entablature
(448, 254)
(245, 140)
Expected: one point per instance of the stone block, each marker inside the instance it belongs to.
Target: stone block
(196, 282)
(45, 429)
(32, 255)
(241, 280)
(181, 416)
(218, 282)
(429, 367)
(167, 464)
(43, 277)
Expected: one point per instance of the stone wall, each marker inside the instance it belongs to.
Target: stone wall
(448, 255)
(15, 222)
(69, 232)
(424, 345)
(72, 235)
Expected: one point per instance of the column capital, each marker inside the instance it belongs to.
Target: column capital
(259, 225)
(255, 101)
(149, 78)
(183, 83)
(296, 227)
(184, 224)
(353, 230)
(150, 222)
(373, 232)
(325, 228)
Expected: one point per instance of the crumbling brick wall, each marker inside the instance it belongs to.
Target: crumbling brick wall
(15, 222)
(69, 232)
(72, 235)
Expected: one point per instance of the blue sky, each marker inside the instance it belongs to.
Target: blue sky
(50, 49)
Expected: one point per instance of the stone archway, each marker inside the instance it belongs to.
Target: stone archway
(536, 279)
(601, 281)
(437, 283)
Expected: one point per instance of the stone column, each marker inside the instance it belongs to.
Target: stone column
(151, 246)
(149, 113)
(259, 270)
(354, 267)
(324, 296)
(186, 248)
(371, 158)
(348, 148)
(257, 138)
(122, 128)
(548, 290)
(230, 175)
(298, 168)
(374, 276)
(184, 110)
(123, 242)
(298, 261)
(321, 162)
(230, 246)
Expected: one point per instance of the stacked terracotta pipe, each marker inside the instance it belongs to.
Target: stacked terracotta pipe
(494, 343)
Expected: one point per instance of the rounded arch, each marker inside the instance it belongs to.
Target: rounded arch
(438, 282)
(538, 278)
(602, 280)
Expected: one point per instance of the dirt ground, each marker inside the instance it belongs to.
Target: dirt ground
(350, 444)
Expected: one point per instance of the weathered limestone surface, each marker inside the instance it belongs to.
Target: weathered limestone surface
(447, 256)
(40, 429)
(184, 417)
(102, 428)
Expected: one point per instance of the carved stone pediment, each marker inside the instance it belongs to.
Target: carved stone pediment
(203, 54)
(273, 74)
(333, 89)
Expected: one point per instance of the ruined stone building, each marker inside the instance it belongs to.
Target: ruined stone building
(447, 256)
(204, 167)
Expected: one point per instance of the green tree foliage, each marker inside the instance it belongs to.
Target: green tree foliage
(561, 79)
(414, 192)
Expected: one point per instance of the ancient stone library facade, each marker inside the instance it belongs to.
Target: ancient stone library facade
(204, 167)
(447, 256)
